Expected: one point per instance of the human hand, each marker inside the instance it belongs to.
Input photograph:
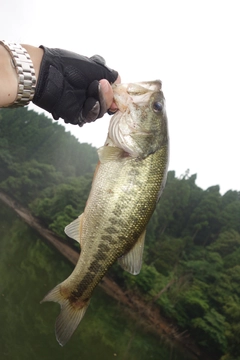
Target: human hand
(74, 87)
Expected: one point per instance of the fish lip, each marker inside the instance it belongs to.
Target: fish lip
(154, 85)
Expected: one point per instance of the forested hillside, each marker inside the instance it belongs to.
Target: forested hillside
(192, 253)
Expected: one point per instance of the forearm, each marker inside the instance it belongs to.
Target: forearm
(8, 75)
(68, 85)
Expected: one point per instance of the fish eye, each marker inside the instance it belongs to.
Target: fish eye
(157, 106)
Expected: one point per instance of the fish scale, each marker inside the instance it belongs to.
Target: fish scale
(125, 189)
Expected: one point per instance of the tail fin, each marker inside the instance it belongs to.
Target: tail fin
(69, 317)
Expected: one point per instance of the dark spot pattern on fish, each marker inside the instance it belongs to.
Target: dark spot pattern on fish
(118, 210)
(117, 221)
(94, 265)
(113, 220)
(104, 247)
(120, 232)
(110, 239)
(111, 230)
(107, 238)
(97, 266)
(133, 172)
(82, 286)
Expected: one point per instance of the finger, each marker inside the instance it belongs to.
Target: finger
(107, 92)
(98, 59)
(91, 110)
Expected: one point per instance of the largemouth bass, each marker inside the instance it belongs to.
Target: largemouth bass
(126, 187)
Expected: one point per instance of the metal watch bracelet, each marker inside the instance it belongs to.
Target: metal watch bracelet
(23, 65)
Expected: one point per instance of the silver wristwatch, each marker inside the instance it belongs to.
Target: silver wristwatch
(22, 62)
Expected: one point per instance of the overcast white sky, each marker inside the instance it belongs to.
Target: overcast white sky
(192, 46)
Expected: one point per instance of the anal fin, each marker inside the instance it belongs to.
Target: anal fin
(132, 261)
(74, 229)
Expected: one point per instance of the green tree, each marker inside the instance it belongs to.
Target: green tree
(59, 205)
(28, 179)
(204, 221)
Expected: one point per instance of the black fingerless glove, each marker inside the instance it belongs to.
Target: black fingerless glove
(68, 86)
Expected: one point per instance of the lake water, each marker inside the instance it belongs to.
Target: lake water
(29, 268)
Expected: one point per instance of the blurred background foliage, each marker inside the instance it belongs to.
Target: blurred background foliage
(192, 254)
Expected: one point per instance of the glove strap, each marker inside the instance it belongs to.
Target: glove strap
(23, 65)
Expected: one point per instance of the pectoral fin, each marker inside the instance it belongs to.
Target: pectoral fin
(74, 229)
(132, 261)
(110, 153)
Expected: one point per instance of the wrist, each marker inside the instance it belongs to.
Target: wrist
(18, 68)
(8, 79)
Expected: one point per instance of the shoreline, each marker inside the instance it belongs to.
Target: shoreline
(147, 313)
